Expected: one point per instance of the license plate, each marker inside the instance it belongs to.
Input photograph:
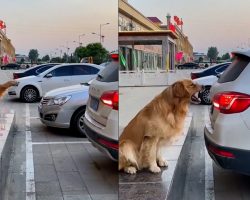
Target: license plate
(94, 103)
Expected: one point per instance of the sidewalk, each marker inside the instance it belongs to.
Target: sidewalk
(145, 185)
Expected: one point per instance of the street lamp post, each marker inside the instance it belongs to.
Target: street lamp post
(101, 31)
(101, 36)
(79, 37)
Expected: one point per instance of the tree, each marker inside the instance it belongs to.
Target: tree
(212, 53)
(65, 58)
(46, 58)
(226, 56)
(98, 52)
(95, 50)
(22, 60)
(33, 55)
(81, 52)
(56, 60)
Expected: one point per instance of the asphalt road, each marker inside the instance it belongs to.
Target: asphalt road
(54, 164)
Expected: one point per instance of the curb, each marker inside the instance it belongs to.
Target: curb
(176, 189)
(6, 149)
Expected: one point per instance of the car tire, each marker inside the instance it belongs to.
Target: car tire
(29, 94)
(3, 68)
(204, 96)
(77, 122)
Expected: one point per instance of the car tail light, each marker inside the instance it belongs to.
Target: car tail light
(220, 152)
(108, 144)
(115, 56)
(111, 98)
(231, 102)
(193, 76)
(15, 76)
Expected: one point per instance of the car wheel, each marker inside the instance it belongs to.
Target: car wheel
(204, 96)
(3, 68)
(77, 122)
(29, 94)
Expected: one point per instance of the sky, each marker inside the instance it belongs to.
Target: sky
(224, 24)
(50, 26)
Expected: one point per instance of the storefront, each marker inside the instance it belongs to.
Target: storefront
(7, 50)
(147, 50)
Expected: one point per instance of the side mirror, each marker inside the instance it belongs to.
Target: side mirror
(48, 75)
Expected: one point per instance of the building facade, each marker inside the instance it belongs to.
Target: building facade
(149, 55)
(7, 50)
(141, 41)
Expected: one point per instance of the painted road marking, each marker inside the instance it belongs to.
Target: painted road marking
(70, 142)
(209, 176)
(30, 180)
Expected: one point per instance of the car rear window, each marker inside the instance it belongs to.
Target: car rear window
(109, 73)
(234, 70)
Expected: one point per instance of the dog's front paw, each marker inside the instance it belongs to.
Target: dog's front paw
(155, 169)
(162, 163)
(130, 170)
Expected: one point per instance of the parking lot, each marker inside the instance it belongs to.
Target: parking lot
(54, 164)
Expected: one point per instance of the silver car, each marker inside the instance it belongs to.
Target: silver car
(65, 108)
(227, 135)
(101, 117)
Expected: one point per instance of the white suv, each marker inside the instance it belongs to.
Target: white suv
(101, 116)
(227, 136)
(30, 88)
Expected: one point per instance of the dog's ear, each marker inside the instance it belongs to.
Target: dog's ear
(179, 90)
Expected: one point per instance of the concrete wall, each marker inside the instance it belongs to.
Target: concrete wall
(152, 78)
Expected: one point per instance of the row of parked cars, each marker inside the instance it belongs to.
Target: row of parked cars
(227, 134)
(80, 96)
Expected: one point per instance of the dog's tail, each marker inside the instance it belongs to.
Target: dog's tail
(128, 155)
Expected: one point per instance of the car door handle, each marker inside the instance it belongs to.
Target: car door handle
(66, 80)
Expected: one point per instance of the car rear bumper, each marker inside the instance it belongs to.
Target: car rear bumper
(101, 142)
(237, 160)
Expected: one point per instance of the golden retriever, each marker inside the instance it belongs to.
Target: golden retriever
(5, 86)
(156, 125)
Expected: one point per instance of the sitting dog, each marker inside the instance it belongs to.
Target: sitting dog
(5, 86)
(156, 125)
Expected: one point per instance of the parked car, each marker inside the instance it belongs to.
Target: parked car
(227, 135)
(34, 70)
(101, 116)
(10, 66)
(65, 108)
(31, 88)
(189, 65)
(213, 70)
(204, 95)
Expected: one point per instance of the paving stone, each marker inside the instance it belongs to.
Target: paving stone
(49, 197)
(149, 191)
(64, 163)
(70, 181)
(105, 197)
(45, 173)
(48, 188)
